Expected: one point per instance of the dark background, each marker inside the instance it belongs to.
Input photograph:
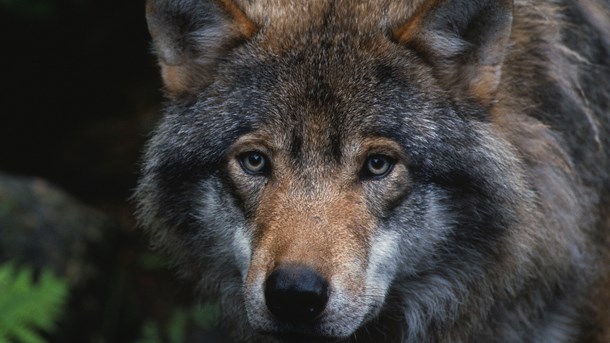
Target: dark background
(79, 94)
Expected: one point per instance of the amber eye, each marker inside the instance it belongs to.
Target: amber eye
(254, 163)
(377, 166)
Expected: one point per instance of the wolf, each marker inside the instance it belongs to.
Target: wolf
(386, 171)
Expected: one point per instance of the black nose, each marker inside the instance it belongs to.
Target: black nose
(296, 293)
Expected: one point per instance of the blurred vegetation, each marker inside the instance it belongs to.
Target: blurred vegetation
(79, 94)
(32, 304)
(175, 330)
(29, 306)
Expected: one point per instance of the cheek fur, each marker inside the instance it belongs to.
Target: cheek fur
(382, 266)
(421, 224)
(383, 195)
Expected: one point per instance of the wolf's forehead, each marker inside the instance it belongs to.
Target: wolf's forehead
(318, 109)
(322, 73)
(313, 137)
(284, 18)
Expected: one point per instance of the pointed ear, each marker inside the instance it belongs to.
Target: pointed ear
(464, 41)
(190, 36)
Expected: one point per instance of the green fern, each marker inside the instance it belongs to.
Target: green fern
(28, 307)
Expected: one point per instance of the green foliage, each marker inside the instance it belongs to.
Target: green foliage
(150, 261)
(201, 316)
(28, 307)
(6, 207)
(206, 316)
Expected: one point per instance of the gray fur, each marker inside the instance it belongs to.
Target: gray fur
(497, 230)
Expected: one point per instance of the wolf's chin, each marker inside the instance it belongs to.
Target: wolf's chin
(330, 329)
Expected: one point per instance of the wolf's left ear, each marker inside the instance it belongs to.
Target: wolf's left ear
(191, 36)
(464, 41)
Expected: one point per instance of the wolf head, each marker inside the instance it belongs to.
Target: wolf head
(323, 166)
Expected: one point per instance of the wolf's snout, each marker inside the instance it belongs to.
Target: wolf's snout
(296, 293)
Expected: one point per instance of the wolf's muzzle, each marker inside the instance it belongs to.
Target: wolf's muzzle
(296, 294)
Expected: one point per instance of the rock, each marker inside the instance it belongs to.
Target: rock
(44, 227)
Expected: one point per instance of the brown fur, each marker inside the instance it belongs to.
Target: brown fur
(245, 26)
(300, 223)
(407, 32)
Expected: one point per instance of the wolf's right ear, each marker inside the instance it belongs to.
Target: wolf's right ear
(189, 36)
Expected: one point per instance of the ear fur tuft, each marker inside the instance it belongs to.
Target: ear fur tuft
(464, 41)
(189, 36)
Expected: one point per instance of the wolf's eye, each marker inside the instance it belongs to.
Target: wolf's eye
(254, 163)
(377, 166)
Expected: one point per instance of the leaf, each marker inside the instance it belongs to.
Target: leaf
(28, 307)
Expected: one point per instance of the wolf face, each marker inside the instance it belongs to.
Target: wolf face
(335, 170)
